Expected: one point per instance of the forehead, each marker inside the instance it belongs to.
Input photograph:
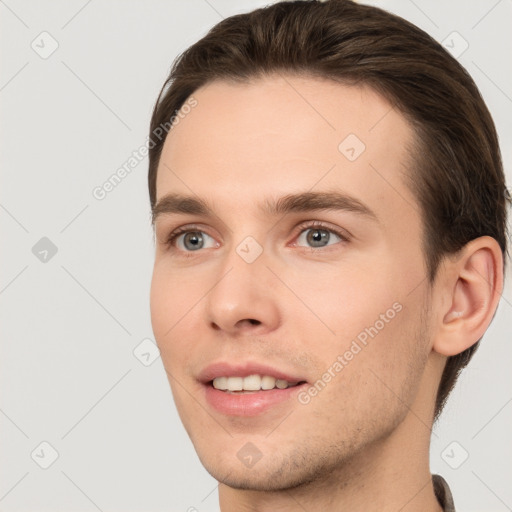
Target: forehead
(283, 134)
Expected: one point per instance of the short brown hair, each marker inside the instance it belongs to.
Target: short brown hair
(458, 177)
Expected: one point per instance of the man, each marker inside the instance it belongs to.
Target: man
(329, 208)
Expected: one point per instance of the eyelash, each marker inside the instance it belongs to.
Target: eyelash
(170, 242)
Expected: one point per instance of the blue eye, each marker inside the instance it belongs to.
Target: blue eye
(193, 240)
(319, 237)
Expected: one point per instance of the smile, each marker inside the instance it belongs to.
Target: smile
(251, 383)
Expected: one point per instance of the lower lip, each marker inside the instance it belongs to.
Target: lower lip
(249, 404)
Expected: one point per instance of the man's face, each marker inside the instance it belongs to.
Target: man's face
(336, 307)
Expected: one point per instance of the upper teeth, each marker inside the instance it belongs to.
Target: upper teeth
(250, 383)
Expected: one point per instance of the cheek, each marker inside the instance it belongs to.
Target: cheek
(168, 307)
(161, 305)
(361, 325)
(173, 294)
(170, 303)
(340, 302)
(371, 379)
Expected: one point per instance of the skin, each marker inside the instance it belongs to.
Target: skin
(362, 443)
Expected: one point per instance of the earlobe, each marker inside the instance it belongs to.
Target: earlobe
(474, 284)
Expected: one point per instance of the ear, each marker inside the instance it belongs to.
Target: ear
(471, 288)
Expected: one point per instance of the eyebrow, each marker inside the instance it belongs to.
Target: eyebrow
(174, 203)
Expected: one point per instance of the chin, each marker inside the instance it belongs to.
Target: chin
(252, 480)
(273, 474)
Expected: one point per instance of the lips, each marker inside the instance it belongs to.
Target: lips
(237, 400)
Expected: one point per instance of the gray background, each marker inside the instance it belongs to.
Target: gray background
(71, 324)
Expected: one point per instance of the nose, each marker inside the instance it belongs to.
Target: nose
(245, 297)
